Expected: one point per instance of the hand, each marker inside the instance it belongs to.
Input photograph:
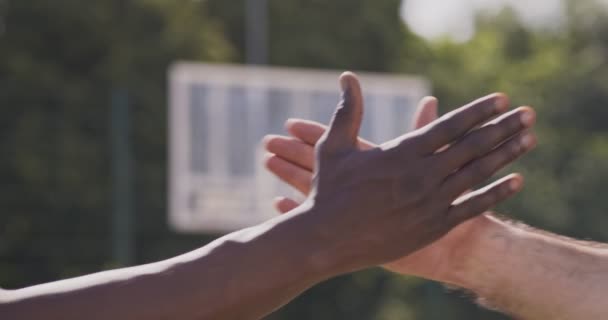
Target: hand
(292, 161)
(392, 200)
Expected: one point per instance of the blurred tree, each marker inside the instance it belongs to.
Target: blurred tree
(58, 63)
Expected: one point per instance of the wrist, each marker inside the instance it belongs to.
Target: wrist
(311, 244)
(473, 264)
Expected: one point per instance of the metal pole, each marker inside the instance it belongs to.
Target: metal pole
(256, 28)
(122, 235)
(3, 14)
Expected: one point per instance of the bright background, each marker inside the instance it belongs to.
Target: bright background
(65, 63)
(456, 18)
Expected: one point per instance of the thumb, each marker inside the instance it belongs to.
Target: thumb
(344, 127)
(426, 112)
(284, 205)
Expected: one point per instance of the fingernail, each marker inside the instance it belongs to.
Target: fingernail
(288, 123)
(527, 141)
(501, 103)
(514, 184)
(345, 81)
(527, 118)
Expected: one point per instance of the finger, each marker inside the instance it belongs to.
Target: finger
(291, 149)
(483, 140)
(483, 168)
(455, 124)
(290, 173)
(481, 200)
(284, 205)
(310, 132)
(344, 126)
(426, 112)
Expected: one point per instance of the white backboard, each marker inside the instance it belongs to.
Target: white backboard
(219, 113)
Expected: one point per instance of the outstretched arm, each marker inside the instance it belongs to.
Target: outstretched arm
(250, 273)
(243, 275)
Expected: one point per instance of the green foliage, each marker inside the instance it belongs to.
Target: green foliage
(60, 61)
(564, 76)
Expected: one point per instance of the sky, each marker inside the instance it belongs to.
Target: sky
(454, 18)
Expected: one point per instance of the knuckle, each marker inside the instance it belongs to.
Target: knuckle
(345, 107)
(346, 100)
(503, 129)
(514, 123)
(507, 126)
(450, 126)
(475, 144)
(397, 153)
(484, 169)
(480, 143)
(469, 177)
(415, 141)
(491, 136)
(505, 154)
(481, 109)
(502, 156)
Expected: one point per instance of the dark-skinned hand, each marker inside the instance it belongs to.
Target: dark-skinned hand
(391, 200)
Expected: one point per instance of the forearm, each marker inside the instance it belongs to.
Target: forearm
(244, 275)
(533, 275)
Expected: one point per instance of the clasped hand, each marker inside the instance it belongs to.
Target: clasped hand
(387, 201)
